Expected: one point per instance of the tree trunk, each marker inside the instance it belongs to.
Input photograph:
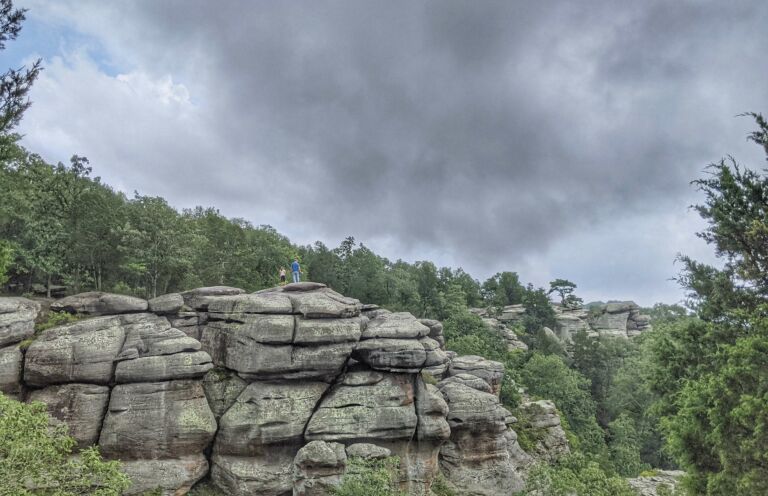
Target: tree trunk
(48, 287)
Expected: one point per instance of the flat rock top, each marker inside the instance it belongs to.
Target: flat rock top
(99, 303)
(18, 304)
(303, 286)
(471, 362)
(213, 291)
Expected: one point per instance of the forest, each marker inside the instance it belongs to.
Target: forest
(690, 394)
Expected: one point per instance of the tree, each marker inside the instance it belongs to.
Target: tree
(503, 289)
(564, 289)
(709, 370)
(35, 457)
(624, 447)
(369, 478)
(15, 83)
(6, 258)
(575, 475)
(547, 376)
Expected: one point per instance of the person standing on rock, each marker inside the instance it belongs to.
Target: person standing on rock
(282, 276)
(296, 269)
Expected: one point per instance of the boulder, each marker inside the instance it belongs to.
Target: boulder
(266, 414)
(11, 360)
(99, 303)
(468, 380)
(317, 468)
(396, 355)
(200, 298)
(157, 420)
(303, 286)
(435, 356)
(651, 485)
(188, 323)
(488, 370)
(82, 352)
(366, 405)
(431, 410)
(323, 303)
(476, 458)
(187, 365)
(327, 331)
(149, 335)
(173, 476)
(400, 325)
(542, 417)
(166, 304)
(222, 388)
(266, 475)
(17, 319)
(80, 406)
(256, 328)
(262, 302)
(368, 451)
(256, 361)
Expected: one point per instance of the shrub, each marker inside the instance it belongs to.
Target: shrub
(575, 475)
(56, 319)
(36, 457)
(369, 478)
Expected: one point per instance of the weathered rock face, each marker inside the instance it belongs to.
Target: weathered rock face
(541, 420)
(476, 459)
(616, 319)
(265, 393)
(17, 319)
(317, 468)
(80, 406)
(98, 303)
(487, 370)
(652, 484)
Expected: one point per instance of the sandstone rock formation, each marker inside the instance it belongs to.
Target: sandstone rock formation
(265, 393)
(650, 485)
(542, 424)
(615, 319)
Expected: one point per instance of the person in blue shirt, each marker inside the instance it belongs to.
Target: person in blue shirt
(296, 269)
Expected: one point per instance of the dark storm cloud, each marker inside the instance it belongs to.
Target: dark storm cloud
(488, 129)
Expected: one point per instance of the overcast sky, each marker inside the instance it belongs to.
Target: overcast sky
(551, 138)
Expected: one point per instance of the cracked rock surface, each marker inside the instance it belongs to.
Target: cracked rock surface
(266, 393)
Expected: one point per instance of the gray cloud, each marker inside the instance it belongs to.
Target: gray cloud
(489, 133)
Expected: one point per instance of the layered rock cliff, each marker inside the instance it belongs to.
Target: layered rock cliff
(265, 393)
(615, 319)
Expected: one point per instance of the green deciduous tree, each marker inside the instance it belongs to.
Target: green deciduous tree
(575, 475)
(547, 376)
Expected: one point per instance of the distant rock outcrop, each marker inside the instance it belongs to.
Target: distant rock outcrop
(616, 319)
(652, 484)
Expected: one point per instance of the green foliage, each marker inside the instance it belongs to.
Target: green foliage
(709, 370)
(538, 313)
(35, 457)
(467, 334)
(441, 487)
(599, 359)
(564, 289)
(369, 478)
(14, 83)
(547, 376)
(624, 447)
(54, 319)
(575, 475)
(502, 289)
(6, 259)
